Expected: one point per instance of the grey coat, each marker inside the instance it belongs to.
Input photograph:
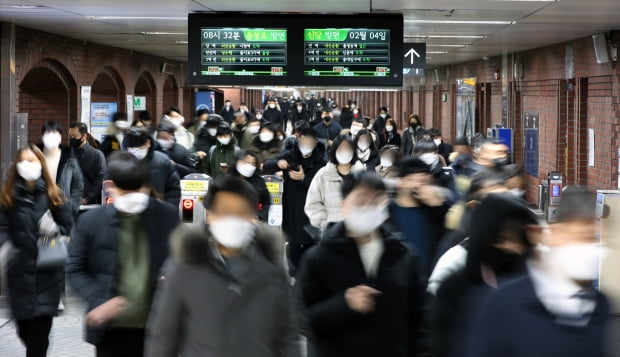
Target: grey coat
(202, 310)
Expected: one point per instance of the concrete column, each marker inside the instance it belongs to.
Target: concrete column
(7, 93)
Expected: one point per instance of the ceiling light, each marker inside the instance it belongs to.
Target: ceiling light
(184, 18)
(461, 22)
(164, 33)
(437, 52)
(182, 42)
(439, 45)
(445, 36)
(26, 6)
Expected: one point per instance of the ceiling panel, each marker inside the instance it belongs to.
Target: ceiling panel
(397, 5)
(322, 6)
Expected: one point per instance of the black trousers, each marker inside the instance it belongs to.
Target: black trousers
(122, 342)
(34, 334)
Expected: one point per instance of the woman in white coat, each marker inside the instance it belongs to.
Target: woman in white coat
(323, 200)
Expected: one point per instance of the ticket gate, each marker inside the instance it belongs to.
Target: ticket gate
(275, 186)
(194, 187)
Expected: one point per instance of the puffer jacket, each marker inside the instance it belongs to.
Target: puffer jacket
(32, 293)
(202, 310)
(324, 196)
(93, 253)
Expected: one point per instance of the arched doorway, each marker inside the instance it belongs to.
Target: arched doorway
(47, 93)
(171, 93)
(145, 87)
(109, 87)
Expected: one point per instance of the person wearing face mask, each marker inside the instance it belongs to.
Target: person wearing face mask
(299, 167)
(381, 120)
(496, 255)
(356, 126)
(113, 140)
(346, 115)
(443, 149)
(266, 145)
(366, 151)
(182, 135)
(164, 177)
(323, 200)
(115, 257)
(273, 114)
(217, 161)
(327, 130)
(91, 161)
(258, 114)
(33, 295)
(361, 286)
(182, 159)
(226, 284)
(299, 113)
(207, 136)
(62, 165)
(516, 181)
(555, 307)
(390, 135)
(245, 130)
(246, 165)
(227, 112)
(412, 134)
(389, 158)
(289, 142)
(426, 150)
(202, 116)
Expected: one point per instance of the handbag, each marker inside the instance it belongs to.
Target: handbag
(52, 247)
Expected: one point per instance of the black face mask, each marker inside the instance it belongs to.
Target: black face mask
(75, 143)
(504, 262)
(501, 162)
(327, 119)
(413, 125)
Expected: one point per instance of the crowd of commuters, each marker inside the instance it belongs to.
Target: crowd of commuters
(393, 241)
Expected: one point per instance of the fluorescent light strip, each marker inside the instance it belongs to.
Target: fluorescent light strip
(455, 46)
(436, 52)
(445, 36)
(164, 33)
(137, 18)
(460, 22)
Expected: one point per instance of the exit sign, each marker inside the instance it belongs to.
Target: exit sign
(139, 103)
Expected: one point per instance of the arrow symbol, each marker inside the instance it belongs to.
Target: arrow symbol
(411, 53)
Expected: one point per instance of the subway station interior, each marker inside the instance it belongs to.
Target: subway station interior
(542, 76)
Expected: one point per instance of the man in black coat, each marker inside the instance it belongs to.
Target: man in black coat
(361, 286)
(227, 112)
(273, 114)
(299, 167)
(164, 179)
(91, 161)
(115, 258)
(442, 148)
(182, 159)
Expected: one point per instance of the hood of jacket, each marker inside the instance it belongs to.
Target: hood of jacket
(190, 244)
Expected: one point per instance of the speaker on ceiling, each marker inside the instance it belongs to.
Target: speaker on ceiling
(600, 48)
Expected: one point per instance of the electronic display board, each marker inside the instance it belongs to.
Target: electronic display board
(243, 52)
(295, 49)
(347, 52)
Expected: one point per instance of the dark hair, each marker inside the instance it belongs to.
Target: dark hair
(300, 125)
(234, 185)
(309, 132)
(425, 145)
(167, 127)
(385, 109)
(173, 109)
(393, 121)
(137, 121)
(339, 140)
(412, 165)
(136, 136)
(227, 101)
(269, 126)
(364, 179)
(433, 132)
(481, 180)
(145, 115)
(214, 120)
(51, 126)
(577, 203)
(127, 172)
(201, 112)
(223, 129)
(360, 120)
(82, 128)
(119, 116)
(366, 132)
(326, 109)
(7, 194)
(242, 154)
(416, 117)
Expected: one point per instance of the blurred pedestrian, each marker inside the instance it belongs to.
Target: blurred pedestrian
(91, 161)
(246, 165)
(221, 155)
(367, 152)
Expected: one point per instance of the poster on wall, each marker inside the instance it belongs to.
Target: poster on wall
(85, 101)
(100, 118)
(205, 100)
(530, 143)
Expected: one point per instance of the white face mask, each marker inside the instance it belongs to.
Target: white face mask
(29, 171)
(212, 132)
(177, 121)
(254, 129)
(363, 146)
(386, 162)
(224, 141)
(355, 130)
(232, 232)
(246, 170)
(429, 158)
(383, 116)
(517, 192)
(280, 137)
(389, 128)
(344, 157)
(437, 141)
(131, 203)
(364, 220)
(272, 106)
(139, 153)
(306, 150)
(355, 111)
(165, 144)
(574, 261)
(51, 140)
(259, 116)
(299, 109)
(266, 137)
(121, 124)
(227, 105)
